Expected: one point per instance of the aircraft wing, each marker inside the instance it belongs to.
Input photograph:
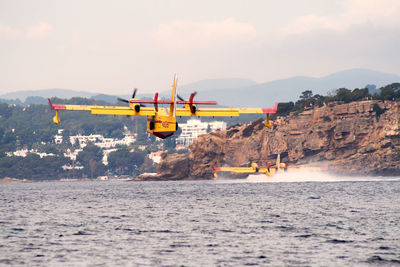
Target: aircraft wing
(224, 112)
(106, 110)
(118, 110)
(235, 169)
(208, 112)
(259, 110)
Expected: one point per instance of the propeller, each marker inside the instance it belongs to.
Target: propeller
(180, 98)
(192, 106)
(133, 96)
(192, 95)
(123, 100)
(127, 101)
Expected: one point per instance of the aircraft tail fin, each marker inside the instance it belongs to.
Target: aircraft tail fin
(172, 106)
(278, 162)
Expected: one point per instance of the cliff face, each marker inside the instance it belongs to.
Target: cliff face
(171, 167)
(352, 138)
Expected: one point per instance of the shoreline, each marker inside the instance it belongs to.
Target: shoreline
(9, 180)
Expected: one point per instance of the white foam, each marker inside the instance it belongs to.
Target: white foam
(304, 176)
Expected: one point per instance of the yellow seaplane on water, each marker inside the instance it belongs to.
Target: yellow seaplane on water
(269, 170)
(161, 122)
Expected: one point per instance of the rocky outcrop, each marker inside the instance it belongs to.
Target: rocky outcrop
(171, 167)
(353, 138)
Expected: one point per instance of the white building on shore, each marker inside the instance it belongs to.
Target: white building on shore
(101, 141)
(24, 153)
(193, 128)
(59, 138)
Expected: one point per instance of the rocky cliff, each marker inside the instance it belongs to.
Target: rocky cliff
(171, 167)
(356, 138)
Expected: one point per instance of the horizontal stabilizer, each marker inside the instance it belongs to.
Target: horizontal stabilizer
(135, 101)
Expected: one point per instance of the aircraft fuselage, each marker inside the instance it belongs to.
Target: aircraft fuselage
(161, 126)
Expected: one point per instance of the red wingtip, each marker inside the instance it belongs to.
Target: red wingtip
(271, 110)
(51, 105)
(276, 107)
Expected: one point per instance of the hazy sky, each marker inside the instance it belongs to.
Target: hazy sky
(113, 46)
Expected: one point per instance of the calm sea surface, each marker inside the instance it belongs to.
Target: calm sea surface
(201, 223)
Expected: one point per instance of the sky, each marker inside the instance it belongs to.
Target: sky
(113, 46)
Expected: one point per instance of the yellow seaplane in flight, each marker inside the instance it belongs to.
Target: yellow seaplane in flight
(161, 122)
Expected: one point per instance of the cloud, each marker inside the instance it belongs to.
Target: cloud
(308, 23)
(8, 32)
(373, 9)
(186, 34)
(35, 32)
(39, 31)
(377, 13)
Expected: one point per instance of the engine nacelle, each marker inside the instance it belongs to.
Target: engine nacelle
(135, 106)
(192, 108)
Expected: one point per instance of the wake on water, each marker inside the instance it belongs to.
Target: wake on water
(304, 176)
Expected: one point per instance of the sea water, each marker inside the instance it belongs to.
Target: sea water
(256, 221)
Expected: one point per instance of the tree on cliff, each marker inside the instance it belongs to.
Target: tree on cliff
(306, 95)
(390, 92)
(348, 96)
(359, 94)
(285, 108)
(344, 95)
(306, 100)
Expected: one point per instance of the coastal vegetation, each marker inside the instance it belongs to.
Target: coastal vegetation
(342, 95)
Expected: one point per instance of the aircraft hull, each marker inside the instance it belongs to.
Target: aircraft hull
(161, 126)
(163, 135)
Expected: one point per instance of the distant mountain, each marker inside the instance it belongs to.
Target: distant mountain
(215, 84)
(357, 78)
(241, 92)
(265, 94)
(107, 98)
(40, 96)
(36, 100)
(189, 88)
(46, 93)
(205, 85)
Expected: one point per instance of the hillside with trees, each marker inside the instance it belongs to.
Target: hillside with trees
(31, 127)
(342, 95)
